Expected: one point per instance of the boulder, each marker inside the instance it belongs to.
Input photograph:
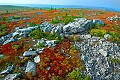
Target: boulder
(8, 70)
(37, 59)
(50, 42)
(12, 76)
(29, 53)
(9, 40)
(31, 67)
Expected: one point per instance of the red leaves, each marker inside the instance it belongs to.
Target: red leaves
(7, 50)
(54, 59)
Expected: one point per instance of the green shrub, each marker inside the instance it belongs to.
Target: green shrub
(15, 46)
(40, 45)
(16, 17)
(3, 27)
(66, 20)
(115, 37)
(101, 12)
(77, 75)
(3, 33)
(96, 26)
(98, 32)
(113, 60)
(38, 34)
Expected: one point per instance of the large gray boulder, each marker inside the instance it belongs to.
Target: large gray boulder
(29, 53)
(9, 40)
(31, 67)
(12, 76)
(78, 26)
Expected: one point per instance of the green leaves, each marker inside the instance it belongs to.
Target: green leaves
(76, 75)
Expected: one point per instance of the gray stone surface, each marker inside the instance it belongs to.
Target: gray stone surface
(12, 76)
(107, 36)
(1, 55)
(8, 70)
(29, 53)
(96, 54)
(37, 59)
(31, 67)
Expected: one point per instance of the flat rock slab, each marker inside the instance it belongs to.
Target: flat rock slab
(37, 59)
(12, 76)
(8, 70)
(29, 53)
(31, 67)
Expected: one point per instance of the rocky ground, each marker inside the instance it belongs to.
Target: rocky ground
(96, 54)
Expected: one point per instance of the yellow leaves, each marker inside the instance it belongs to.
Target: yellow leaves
(24, 60)
(98, 32)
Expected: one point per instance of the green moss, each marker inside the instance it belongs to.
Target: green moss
(40, 45)
(15, 46)
(115, 60)
(66, 20)
(77, 75)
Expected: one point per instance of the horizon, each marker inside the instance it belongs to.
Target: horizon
(93, 3)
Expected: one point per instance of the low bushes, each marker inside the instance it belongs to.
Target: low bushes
(115, 37)
(76, 75)
(98, 32)
(38, 34)
(66, 20)
(3, 30)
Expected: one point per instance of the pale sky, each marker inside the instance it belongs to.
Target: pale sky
(100, 3)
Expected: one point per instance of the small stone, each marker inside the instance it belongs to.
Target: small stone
(37, 59)
(29, 53)
(48, 68)
(104, 53)
(8, 70)
(62, 50)
(107, 36)
(1, 55)
(30, 49)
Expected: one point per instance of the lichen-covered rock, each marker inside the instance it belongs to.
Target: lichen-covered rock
(37, 59)
(31, 67)
(8, 70)
(29, 53)
(12, 76)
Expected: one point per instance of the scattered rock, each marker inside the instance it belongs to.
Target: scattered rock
(104, 53)
(8, 70)
(40, 50)
(31, 67)
(37, 59)
(48, 68)
(12, 76)
(96, 54)
(107, 36)
(29, 53)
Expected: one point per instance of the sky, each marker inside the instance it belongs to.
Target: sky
(99, 3)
